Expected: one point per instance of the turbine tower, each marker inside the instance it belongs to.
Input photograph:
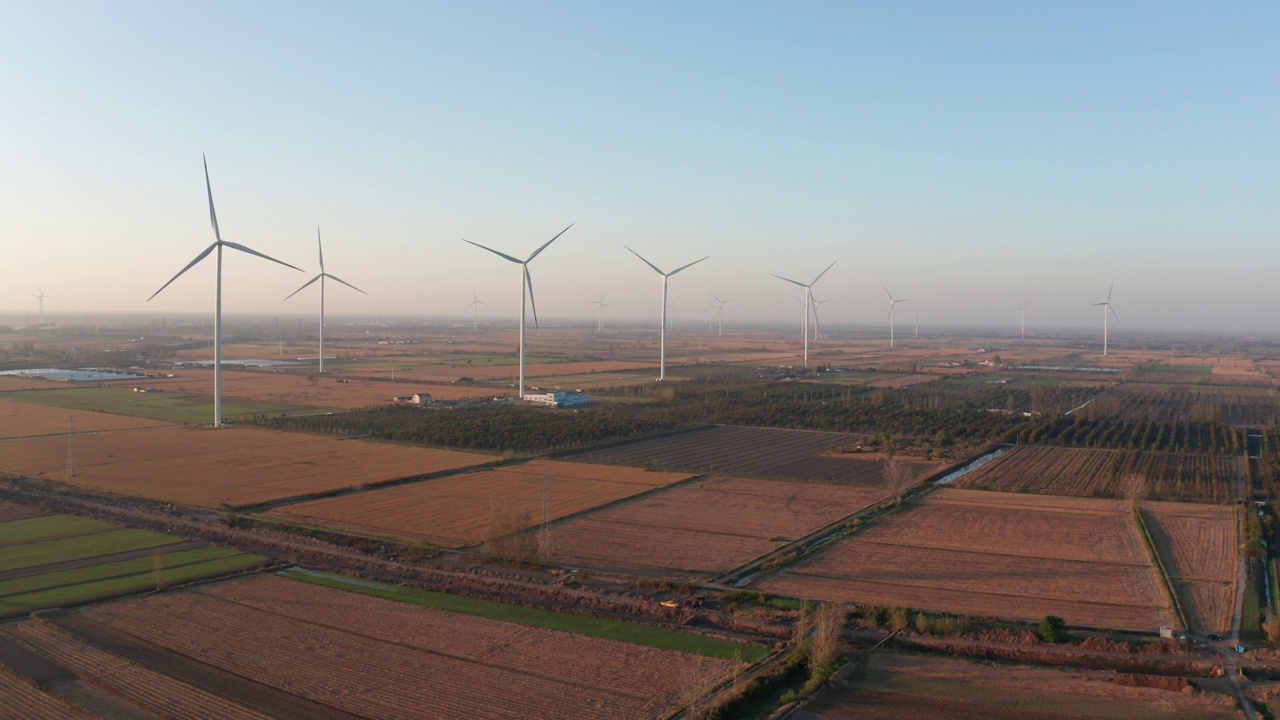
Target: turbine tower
(40, 298)
(474, 306)
(917, 322)
(892, 304)
(808, 301)
(1023, 309)
(218, 244)
(1106, 307)
(662, 353)
(720, 314)
(321, 278)
(600, 306)
(526, 283)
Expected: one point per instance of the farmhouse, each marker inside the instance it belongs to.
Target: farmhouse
(416, 399)
(559, 398)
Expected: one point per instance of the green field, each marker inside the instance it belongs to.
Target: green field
(44, 527)
(59, 589)
(46, 552)
(170, 407)
(594, 627)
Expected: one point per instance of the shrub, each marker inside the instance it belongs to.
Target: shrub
(1053, 629)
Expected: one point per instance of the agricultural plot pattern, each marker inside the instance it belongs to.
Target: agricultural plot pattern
(994, 554)
(1198, 545)
(756, 452)
(61, 560)
(19, 419)
(236, 466)
(462, 509)
(707, 526)
(1082, 472)
(365, 656)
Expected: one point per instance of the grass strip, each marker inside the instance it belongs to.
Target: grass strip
(71, 594)
(26, 530)
(167, 561)
(580, 624)
(76, 548)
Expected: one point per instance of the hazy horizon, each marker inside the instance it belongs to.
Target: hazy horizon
(967, 157)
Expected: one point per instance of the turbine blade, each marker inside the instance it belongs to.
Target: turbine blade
(213, 215)
(1113, 312)
(682, 267)
(528, 279)
(344, 282)
(545, 244)
(1110, 289)
(321, 246)
(903, 300)
(495, 252)
(251, 251)
(646, 262)
(304, 286)
(824, 272)
(886, 292)
(199, 257)
(793, 282)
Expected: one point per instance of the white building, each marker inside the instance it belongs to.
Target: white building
(559, 398)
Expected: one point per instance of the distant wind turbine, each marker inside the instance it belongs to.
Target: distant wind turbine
(816, 326)
(662, 353)
(321, 277)
(218, 244)
(720, 313)
(917, 322)
(892, 304)
(1106, 307)
(1023, 309)
(808, 301)
(600, 306)
(40, 298)
(526, 283)
(474, 306)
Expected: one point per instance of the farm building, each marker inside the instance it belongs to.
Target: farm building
(415, 399)
(559, 398)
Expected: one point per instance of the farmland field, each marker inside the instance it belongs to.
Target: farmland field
(166, 406)
(328, 650)
(236, 466)
(993, 554)
(1083, 472)
(757, 452)
(895, 686)
(460, 510)
(23, 419)
(297, 389)
(707, 526)
(1198, 544)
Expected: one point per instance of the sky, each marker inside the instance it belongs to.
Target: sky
(968, 156)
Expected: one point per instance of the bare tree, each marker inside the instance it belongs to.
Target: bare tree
(898, 475)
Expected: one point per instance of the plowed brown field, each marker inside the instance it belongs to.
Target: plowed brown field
(297, 391)
(19, 419)
(237, 466)
(707, 526)
(1199, 547)
(460, 509)
(994, 554)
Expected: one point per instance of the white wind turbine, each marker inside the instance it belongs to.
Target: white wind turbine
(474, 307)
(526, 283)
(321, 278)
(720, 314)
(917, 322)
(1023, 309)
(218, 244)
(816, 325)
(808, 301)
(40, 298)
(1106, 307)
(600, 306)
(662, 353)
(892, 304)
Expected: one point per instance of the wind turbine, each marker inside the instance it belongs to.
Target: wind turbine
(720, 314)
(321, 278)
(526, 283)
(40, 298)
(218, 244)
(600, 306)
(1106, 307)
(662, 353)
(474, 306)
(808, 300)
(917, 322)
(816, 326)
(892, 304)
(1023, 309)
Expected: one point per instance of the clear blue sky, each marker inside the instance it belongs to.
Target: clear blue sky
(967, 155)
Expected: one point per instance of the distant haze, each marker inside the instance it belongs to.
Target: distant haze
(969, 157)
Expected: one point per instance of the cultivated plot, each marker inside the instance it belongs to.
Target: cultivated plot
(758, 452)
(257, 642)
(707, 526)
(994, 554)
(1199, 548)
(469, 508)
(20, 419)
(235, 466)
(174, 407)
